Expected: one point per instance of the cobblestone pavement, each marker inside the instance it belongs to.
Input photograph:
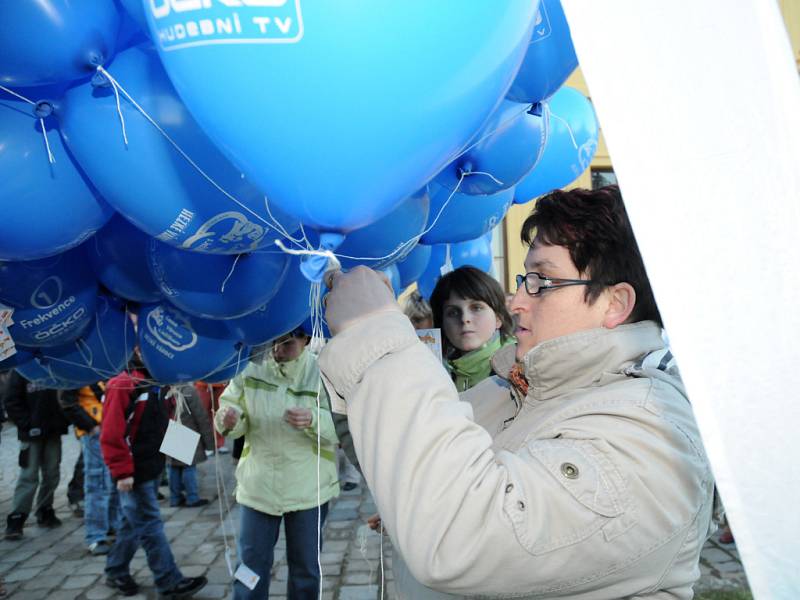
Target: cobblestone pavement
(56, 565)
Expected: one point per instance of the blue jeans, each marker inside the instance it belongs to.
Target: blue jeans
(100, 513)
(142, 525)
(258, 533)
(182, 479)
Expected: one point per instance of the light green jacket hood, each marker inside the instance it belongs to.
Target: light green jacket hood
(277, 472)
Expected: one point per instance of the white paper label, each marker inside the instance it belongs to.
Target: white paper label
(246, 576)
(180, 442)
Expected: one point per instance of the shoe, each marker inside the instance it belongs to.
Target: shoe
(124, 583)
(223, 450)
(726, 537)
(185, 588)
(46, 517)
(111, 533)
(349, 486)
(76, 509)
(161, 496)
(181, 502)
(15, 523)
(196, 503)
(99, 548)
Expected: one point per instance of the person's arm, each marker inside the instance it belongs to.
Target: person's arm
(345, 439)
(324, 425)
(116, 452)
(69, 400)
(467, 519)
(231, 418)
(17, 407)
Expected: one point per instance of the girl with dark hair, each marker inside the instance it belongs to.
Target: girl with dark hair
(469, 307)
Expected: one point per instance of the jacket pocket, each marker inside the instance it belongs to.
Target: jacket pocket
(568, 491)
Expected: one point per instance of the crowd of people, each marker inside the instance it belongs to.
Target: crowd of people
(554, 431)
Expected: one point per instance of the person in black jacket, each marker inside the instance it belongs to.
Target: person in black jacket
(40, 425)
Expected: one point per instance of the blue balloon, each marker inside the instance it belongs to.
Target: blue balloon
(332, 110)
(102, 351)
(550, 58)
(464, 217)
(134, 10)
(390, 236)
(54, 298)
(178, 348)
(38, 373)
(232, 369)
(47, 208)
(216, 286)
(476, 253)
(503, 152)
(571, 145)
(151, 183)
(413, 265)
(20, 357)
(285, 312)
(118, 255)
(55, 40)
(394, 278)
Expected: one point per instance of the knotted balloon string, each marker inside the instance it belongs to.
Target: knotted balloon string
(113, 83)
(119, 89)
(50, 156)
(332, 262)
(230, 273)
(282, 230)
(567, 125)
(175, 392)
(319, 490)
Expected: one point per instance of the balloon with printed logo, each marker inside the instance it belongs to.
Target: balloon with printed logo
(335, 123)
(550, 57)
(413, 265)
(502, 152)
(48, 41)
(462, 217)
(152, 184)
(389, 238)
(286, 311)
(48, 207)
(101, 352)
(231, 369)
(216, 286)
(179, 348)
(54, 298)
(118, 255)
(475, 253)
(38, 373)
(571, 145)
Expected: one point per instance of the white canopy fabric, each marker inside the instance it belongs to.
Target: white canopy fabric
(699, 102)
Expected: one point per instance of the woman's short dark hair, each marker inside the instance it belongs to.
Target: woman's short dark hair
(594, 226)
(470, 283)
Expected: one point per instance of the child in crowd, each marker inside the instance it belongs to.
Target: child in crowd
(183, 487)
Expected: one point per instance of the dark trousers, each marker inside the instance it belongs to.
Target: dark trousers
(258, 535)
(142, 526)
(37, 456)
(75, 491)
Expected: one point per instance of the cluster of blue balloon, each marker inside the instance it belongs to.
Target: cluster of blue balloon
(139, 142)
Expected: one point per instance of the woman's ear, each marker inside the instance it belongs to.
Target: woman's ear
(621, 301)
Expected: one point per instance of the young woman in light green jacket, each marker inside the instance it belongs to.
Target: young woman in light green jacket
(273, 403)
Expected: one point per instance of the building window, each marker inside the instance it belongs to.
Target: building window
(499, 255)
(602, 178)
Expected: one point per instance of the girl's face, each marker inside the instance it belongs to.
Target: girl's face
(468, 324)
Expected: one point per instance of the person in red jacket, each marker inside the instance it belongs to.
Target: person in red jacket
(135, 417)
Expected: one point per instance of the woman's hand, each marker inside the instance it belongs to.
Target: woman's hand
(299, 418)
(375, 522)
(229, 419)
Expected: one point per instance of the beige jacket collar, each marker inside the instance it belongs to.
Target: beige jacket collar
(575, 361)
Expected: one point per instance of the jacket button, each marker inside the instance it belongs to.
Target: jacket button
(569, 471)
(509, 487)
(521, 505)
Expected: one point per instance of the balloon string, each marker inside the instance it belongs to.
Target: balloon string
(183, 154)
(119, 106)
(489, 175)
(333, 262)
(50, 156)
(281, 228)
(569, 129)
(230, 273)
(222, 492)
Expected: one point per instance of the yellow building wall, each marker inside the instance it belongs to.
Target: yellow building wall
(514, 250)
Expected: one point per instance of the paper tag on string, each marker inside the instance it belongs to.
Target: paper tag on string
(5, 315)
(432, 338)
(247, 576)
(7, 347)
(447, 267)
(180, 442)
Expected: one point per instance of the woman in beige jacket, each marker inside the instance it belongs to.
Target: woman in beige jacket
(580, 474)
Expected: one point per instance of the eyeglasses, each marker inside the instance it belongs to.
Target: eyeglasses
(536, 283)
